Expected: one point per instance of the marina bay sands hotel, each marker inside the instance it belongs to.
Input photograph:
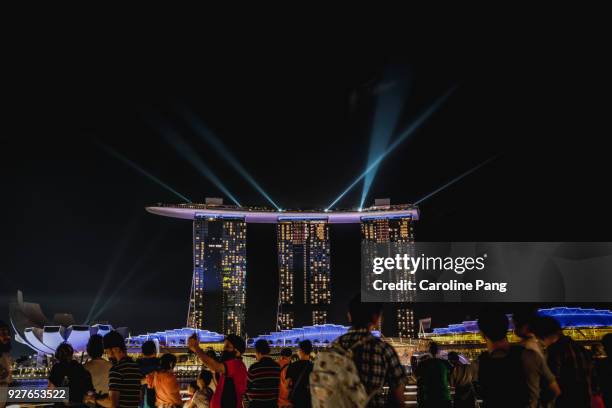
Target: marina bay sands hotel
(218, 291)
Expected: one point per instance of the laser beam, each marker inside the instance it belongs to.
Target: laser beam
(151, 246)
(186, 151)
(208, 136)
(119, 251)
(140, 170)
(453, 181)
(389, 103)
(413, 127)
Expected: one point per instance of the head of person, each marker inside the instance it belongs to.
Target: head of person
(64, 353)
(262, 349)
(453, 358)
(167, 362)
(233, 347)
(192, 388)
(304, 349)
(204, 379)
(286, 353)
(493, 326)
(597, 350)
(433, 349)
(5, 338)
(95, 346)
(114, 346)
(364, 315)
(212, 354)
(149, 349)
(548, 330)
(606, 341)
(524, 322)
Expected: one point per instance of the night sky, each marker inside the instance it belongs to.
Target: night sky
(301, 125)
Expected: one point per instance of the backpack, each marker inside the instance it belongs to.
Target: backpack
(335, 382)
(502, 380)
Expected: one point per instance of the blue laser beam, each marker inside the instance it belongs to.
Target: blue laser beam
(186, 151)
(413, 127)
(205, 133)
(119, 251)
(389, 104)
(453, 181)
(140, 170)
(152, 245)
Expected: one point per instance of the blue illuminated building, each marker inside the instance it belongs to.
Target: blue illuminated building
(577, 317)
(319, 335)
(174, 338)
(568, 317)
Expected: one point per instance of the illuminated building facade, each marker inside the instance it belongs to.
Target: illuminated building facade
(405, 322)
(304, 272)
(583, 325)
(218, 290)
(384, 235)
(219, 261)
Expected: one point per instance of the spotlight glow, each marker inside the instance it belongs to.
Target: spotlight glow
(186, 151)
(114, 259)
(139, 169)
(414, 126)
(145, 256)
(389, 104)
(453, 181)
(205, 133)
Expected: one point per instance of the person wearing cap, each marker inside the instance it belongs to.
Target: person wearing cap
(5, 361)
(124, 377)
(233, 373)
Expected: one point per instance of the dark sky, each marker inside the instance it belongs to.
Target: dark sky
(300, 124)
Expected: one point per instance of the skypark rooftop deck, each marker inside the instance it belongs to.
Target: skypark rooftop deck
(263, 215)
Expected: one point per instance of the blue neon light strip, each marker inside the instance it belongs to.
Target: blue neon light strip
(568, 317)
(385, 217)
(223, 216)
(304, 218)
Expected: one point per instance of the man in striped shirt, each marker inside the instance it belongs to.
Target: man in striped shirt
(263, 378)
(124, 377)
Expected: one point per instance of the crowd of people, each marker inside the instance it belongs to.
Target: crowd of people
(545, 369)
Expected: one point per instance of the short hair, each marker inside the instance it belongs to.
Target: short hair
(237, 342)
(148, 348)
(524, 318)
(167, 361)
(262, 347)
(114, 339)
(546, 326)
(194, 385)
(64, 353)
(212, 354)
(453, 356)
(494, 325)
(363, 313)
(206, 376)
(95, 346)
(3, 325)
(305, 346)
(607, 343)
(286, 352)
(433, 348)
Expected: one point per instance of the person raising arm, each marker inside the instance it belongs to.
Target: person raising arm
(233, 373)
